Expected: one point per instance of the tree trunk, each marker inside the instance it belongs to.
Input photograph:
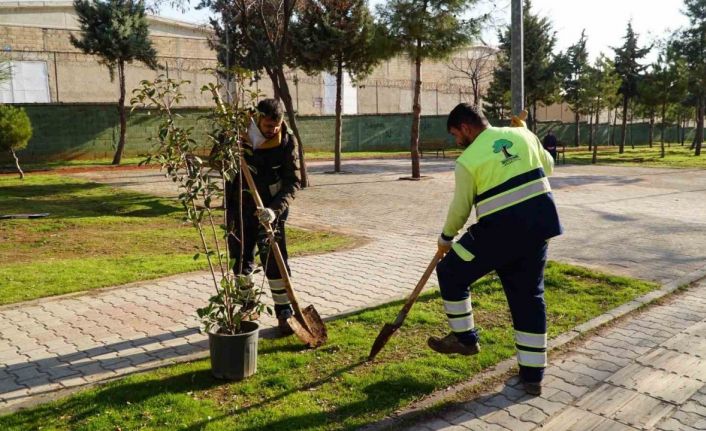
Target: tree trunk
(696, 130)
(417, 113)
(17, 164)
(339, 122)
(651, 132)
(678, 124)
(121, 112)
(475, 83)
(534, 117)
(276, 93)
(623, 133)
(612, 130)
(590, 130)
(664, 123)
(577, 132)
(632, 131)
(596, 123)
(287, 100)
(594, 156)
(608, 126)
(700, 127)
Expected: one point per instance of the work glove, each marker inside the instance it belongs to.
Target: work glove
(519, 120)
(444, 245)
(266, 215)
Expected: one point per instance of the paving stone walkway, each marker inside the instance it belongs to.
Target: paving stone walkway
(647, 372)
(634, 221)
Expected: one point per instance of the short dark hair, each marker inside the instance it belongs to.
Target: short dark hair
(465, 113)
(271, 108)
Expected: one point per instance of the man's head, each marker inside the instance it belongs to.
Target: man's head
(550, 131)
(465, 123)
(271, 114)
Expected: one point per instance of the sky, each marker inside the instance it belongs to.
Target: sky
(605, 21)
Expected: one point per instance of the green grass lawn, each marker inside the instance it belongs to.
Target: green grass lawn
(98, 236)
(676, 156)
(331, 388)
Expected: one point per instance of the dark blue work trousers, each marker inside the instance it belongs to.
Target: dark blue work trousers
(520, 268)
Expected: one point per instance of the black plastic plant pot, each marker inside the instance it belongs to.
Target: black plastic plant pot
(234, 357)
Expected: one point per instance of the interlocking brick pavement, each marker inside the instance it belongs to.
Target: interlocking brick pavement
(634, 221)
(606, 385)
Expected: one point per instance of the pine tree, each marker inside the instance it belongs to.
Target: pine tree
(575, 73)
(117, 32)
(628, 67)
(692, 47)
(336, 36)
(604, 84)
(15, 132)
(426, 29)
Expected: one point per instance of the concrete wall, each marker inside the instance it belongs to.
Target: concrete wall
(61, 15)
(40, 30)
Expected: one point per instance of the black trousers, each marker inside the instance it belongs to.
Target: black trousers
(255, 237)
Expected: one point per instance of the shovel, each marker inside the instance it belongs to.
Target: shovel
(307, 323)
(390, 328)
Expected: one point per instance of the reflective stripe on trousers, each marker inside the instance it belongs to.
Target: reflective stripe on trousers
(279, 293)
(531, 349)
(460, 315)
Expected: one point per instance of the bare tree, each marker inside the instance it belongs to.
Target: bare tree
(477, 66)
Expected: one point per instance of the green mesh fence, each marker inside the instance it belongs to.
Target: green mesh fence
(81, 131)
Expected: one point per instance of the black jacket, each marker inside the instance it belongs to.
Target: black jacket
(276, 174)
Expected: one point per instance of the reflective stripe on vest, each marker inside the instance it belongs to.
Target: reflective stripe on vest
(515, 196)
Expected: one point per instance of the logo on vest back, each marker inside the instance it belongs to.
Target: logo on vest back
(502, 146)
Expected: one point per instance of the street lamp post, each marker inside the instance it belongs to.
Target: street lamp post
(517, 84)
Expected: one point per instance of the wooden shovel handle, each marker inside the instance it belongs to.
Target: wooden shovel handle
(418, 288)
(271, 235)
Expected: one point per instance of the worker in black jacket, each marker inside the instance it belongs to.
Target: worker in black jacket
(271, 153)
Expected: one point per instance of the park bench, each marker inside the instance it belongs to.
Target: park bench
(561, 153)
(435, 145)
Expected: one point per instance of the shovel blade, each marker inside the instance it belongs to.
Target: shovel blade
(385, 334)
(309, 327)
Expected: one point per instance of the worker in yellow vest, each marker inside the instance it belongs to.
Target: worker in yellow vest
(503, 173)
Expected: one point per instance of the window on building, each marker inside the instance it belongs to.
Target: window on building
(29, 83)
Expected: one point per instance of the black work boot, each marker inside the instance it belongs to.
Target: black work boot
(532, 388)
(451, 344)
(282, 324)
